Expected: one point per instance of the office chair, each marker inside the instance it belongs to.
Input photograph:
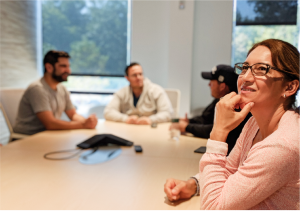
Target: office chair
(6, 131)
(174, 96)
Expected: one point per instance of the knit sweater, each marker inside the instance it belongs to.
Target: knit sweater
(264, 176)
(153, 103)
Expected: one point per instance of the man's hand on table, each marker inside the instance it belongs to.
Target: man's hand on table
(132, 119)
(138, 120)
(181, 125)
(179, 189)
(90, 122)
(185, 119)
(143, 121)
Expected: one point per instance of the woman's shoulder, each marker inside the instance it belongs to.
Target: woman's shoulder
(289, 125)
(289, 122)
(287, 134)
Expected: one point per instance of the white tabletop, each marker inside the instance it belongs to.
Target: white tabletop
(130, 181)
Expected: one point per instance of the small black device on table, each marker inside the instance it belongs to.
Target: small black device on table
(200, 150)
(138, 148)
(102, 140)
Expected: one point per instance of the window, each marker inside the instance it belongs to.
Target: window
(254, 21)
(96, 33)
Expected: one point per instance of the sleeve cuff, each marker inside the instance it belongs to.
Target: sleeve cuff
(216, 147)
(152, 118)
(188, 128)
(124, 118)
(198, 186)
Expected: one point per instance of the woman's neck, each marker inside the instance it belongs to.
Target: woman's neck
(267, 118)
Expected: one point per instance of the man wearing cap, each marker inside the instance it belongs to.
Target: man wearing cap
(223, 80)
(45, 100)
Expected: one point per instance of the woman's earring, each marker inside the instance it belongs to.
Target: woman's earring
(284, 96)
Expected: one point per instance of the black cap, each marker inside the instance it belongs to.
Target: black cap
(223, 74)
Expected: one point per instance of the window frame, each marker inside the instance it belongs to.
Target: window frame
(234, 24)
(40, 66)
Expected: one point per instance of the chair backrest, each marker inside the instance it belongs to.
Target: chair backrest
(98, 110)
(174, 96)
(5, 129)
(10, 100)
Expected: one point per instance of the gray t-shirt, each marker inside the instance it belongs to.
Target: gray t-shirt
(40, 97)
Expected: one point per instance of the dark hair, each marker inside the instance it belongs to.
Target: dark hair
(129, 66)
(285, 57)
(52, 57)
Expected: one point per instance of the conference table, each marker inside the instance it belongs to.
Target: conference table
(130, 181)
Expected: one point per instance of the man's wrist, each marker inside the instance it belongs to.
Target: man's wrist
(185, 126)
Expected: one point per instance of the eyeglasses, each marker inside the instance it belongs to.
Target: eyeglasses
(258, 69)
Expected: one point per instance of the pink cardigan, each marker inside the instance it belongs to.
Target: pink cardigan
(265, 176)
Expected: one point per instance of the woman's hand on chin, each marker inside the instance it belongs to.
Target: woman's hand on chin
(226, 118)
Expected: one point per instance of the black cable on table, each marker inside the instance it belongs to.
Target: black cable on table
(62, 151)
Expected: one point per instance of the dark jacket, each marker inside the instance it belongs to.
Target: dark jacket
(201, 126)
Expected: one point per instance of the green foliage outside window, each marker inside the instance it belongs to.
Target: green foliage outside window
(93, 32)
(246, 36)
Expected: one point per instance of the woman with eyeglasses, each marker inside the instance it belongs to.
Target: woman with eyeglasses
(262, 170)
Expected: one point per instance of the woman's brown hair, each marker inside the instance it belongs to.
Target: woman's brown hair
(285, 57)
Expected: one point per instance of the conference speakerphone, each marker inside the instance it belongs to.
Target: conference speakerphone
(93, 142)
(102, 140)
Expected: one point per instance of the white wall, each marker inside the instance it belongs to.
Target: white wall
(18, 63)
(149, 39)
(175, 45)
(212, 45)
(162, 39)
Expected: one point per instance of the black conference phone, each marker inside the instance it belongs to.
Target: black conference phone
(103, 140)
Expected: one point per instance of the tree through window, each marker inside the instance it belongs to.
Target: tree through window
(93, 32)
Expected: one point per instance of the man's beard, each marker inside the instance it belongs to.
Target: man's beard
(58, 78)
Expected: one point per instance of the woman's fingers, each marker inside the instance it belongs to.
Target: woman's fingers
(226, 118)
(247, 108)
(231, 100)
(228, 96)
(235, 101)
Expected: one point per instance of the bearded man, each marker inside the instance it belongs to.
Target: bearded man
(45, 100)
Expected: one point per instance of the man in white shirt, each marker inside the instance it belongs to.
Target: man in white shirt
(142, 102)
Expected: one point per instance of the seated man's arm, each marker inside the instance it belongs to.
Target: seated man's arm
(199, 130)
(197, 120)
(52, 123)
(164, 109)
(71, 111)
(73, 116)
(207, 116)
(112, 111)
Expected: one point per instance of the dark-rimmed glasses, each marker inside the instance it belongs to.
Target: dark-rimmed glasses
(258, 69)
